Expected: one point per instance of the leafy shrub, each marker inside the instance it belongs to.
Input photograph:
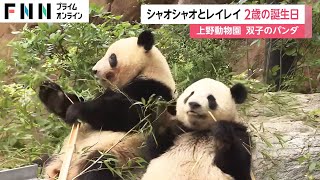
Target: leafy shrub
(191, 59)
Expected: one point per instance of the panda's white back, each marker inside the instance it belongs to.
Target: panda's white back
(189, 159)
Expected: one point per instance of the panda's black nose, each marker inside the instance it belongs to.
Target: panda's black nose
(194, 105)
(94, 71)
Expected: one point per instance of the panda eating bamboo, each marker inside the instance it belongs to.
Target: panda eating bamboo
(204, 141)
(136, 68)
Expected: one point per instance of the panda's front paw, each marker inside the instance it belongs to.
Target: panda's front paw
(53, 97)
(49, 90)
(73, 113)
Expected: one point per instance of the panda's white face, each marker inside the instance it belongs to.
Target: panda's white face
(200, 98)
(122, 62)
(133, 57)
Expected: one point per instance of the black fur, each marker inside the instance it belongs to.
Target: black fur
(110, 111)
(171, 108)
(186, 99)
(212, 103)
(233, 156)
(99, 170)
(146, 40)
(113, 60)
(164, 133)
(239, 93)
(55, 99)
(42, 160)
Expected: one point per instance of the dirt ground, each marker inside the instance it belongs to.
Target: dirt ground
(6, 36)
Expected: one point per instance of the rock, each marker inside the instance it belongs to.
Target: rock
(286, 136)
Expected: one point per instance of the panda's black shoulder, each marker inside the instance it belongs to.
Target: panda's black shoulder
(233, 154)
(230, 131)
(143, 88)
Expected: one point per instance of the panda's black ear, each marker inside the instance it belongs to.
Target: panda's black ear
(146, 40)
(239, 93)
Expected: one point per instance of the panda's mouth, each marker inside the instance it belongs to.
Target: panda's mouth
(193, 113)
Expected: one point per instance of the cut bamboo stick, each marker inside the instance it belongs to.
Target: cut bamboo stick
(69, 152)
(212, 116)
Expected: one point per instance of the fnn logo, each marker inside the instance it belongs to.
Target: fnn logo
(27, 10)
(44, 11)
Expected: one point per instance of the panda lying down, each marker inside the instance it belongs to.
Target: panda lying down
(197, 147)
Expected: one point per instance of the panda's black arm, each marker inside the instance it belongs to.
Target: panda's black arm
(233, 155)
(111, 111)
(114, 110)
(55, 99)
(143, 88)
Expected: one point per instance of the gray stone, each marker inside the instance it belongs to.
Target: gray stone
(21, 173)
(284, 131)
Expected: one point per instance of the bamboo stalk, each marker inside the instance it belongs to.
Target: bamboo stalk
(212, 116)
(69, 152)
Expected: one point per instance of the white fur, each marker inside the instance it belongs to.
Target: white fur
(188, 159)
(226, 109)
(91, 140)
(132, 59)
(191, 157)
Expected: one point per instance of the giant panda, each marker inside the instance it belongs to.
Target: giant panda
(137, 70)
(204, 141)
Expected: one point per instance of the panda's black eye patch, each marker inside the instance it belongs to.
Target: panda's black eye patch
(113, 60)
(212, 102)
(186, 99)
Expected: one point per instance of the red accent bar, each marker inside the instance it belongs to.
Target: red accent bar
(308, 22)
(218, 31)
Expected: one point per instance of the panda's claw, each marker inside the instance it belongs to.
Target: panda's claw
(53, 97)
(47, 89)
(50, 85)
